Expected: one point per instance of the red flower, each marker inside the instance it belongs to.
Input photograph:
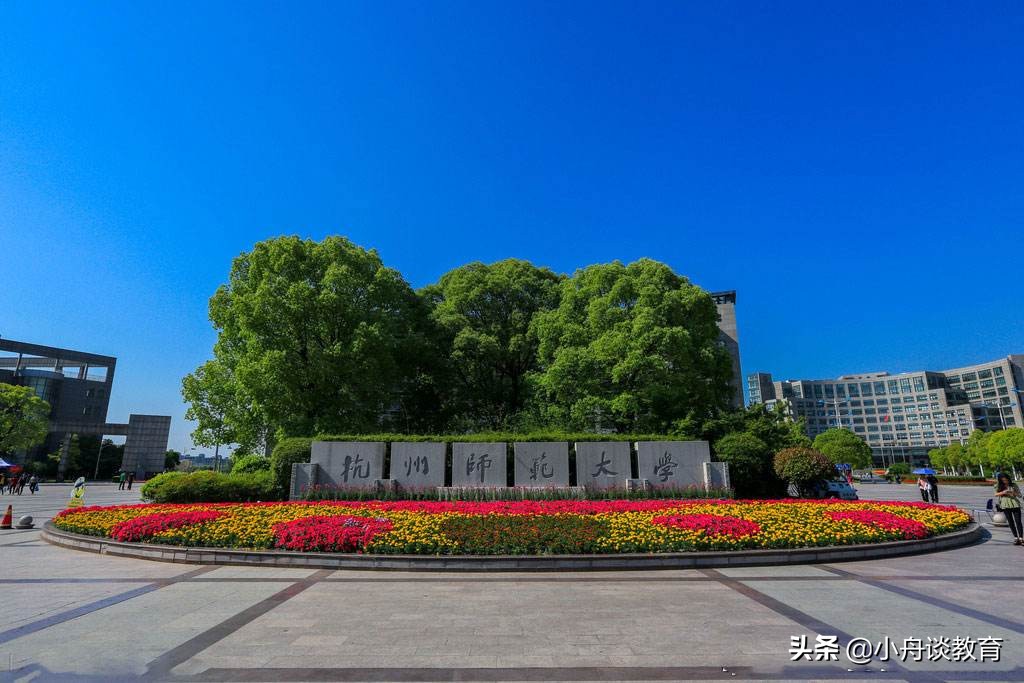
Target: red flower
(711, 525)
(149, 525)
(908, 528)
(343, 534)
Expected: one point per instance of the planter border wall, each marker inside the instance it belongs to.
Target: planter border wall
(693, 560)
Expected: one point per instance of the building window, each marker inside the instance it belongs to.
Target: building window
(984, 374)
(865, 388)
(879, 388)
(919, 384)
(905, 385)
(997, 371)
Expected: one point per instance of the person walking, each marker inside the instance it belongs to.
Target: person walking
(924, 487)
(933, 482)
(33, 484)
(131, 480)
(121, 480)
(22, 480)
(1008, 502)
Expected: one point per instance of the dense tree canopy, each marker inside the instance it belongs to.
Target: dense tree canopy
(321, 337)
(630, 347)
(1005, 450)
(842, 446)
(313, 337)
(221, 409)
(24, 418)
(485, 313)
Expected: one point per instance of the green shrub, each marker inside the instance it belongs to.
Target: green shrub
(250, 464)
(900, 468)
(210, 487)
(286, 453)
(803, 467)
(497, 437)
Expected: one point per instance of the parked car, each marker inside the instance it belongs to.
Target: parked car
(831, 488)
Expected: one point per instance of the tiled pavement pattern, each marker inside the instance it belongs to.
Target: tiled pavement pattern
(73, 616)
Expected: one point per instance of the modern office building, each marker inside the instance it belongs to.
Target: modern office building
(77, 386)
(729, 335)
(903, 416)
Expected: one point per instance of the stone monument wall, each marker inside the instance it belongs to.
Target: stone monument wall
(422, 465)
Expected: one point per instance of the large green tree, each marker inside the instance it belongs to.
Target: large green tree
(631, 347)
(1006, 449)
(844, 447)
(485, 313)
(318, 336)
(976, 452)
(224, 413)
(24, 418)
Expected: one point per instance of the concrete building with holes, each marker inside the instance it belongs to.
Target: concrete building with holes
(729, 336)
(903, 416)
(77, 386)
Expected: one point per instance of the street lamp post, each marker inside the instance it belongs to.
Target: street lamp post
(835, 402)
(99, 453)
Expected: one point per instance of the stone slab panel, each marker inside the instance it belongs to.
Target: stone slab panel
(716, 474)
(602, 464)
(541, 463)
(349, 463)
(673, 463)
(304, 475)
(417, 465)
(479, 464)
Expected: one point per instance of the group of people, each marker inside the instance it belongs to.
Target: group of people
(125, 480)
(16, 483)
(929, 486)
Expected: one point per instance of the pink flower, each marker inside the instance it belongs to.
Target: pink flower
(908, 528)
(711, 525)
(342, 534)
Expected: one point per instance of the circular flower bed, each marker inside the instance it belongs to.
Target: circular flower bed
(518, 527)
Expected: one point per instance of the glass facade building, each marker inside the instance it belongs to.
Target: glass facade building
(904, 416)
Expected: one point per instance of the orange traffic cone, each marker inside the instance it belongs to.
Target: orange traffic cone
(8, 518)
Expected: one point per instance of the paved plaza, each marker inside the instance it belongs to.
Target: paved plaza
(74, 616)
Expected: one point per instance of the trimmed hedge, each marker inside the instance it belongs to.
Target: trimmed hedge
(498, 437)
(285, 454)
(249, 464)
(210, 487)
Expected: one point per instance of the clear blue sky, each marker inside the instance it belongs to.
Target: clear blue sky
(855, 171)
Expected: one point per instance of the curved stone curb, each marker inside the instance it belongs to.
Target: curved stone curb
(693, 560)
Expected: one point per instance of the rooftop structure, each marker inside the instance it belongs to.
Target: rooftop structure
(77, 385)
